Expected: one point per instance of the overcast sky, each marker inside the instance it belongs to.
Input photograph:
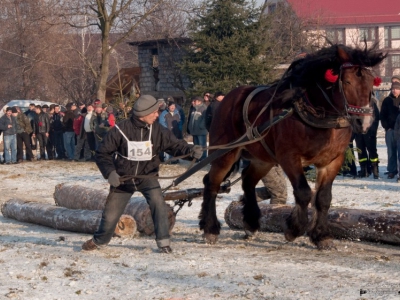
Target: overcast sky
(260, 2)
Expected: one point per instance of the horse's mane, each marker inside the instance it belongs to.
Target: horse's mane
(311, 69)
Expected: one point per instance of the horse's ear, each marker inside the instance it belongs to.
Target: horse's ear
(344, 57)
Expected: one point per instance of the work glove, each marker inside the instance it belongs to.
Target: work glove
(113, 179)
(197, 152)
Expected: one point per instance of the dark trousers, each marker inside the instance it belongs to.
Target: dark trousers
(50, 146)
(23, 138)
(91, 141)
(116, 202)
(367, 145)
(42, 139)
(58, 138)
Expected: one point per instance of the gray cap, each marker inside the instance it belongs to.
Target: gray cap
(395, 77)
(145, 105)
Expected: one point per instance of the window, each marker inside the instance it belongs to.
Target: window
(392, 36)
(392, 65)
(368, 34)
(336, 35)
(271, 8)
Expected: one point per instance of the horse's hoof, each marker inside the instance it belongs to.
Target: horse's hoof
(210, 238)
(250, 234)
(327, 244)
(289, 236)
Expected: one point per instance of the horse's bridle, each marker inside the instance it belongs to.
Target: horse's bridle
(352, 109)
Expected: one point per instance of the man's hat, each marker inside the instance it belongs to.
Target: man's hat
(145, 105)
(395, 85)
(45, 106)
(9, 108)
(198, 98)
(104, 105)
(395, 77)
(14, 110)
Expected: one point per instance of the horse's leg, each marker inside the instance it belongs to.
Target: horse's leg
(212, 181)
(251, 175)
(296, 223)
(319, 232)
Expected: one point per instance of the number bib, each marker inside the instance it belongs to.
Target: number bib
(138, 151)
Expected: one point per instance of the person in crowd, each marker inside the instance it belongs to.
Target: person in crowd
(31, 113)
(100, 124)
(24, 129)
(180, 110)
(396, 132)
(57, 131)
(207, 97)
(170, 120)
(69, 134)
(388, 116)
(211, 109)
(50, 146)
(110, 116)
(131, 148)
(45, 108)
(41, 128)
(81, 137)
(81, 105)
(8, 125)
(89, 131)
(196, 124)
(366, 143)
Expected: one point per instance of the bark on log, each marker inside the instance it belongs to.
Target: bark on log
(352, 224)
(76, 220)
(79, 197)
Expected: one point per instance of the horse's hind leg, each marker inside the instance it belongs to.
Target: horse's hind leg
(212, 181)
(296, 223)
(319, 232)
(251, 175)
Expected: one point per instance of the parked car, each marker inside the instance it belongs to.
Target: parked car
(24, 105)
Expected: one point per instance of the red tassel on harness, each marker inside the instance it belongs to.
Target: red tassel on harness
(377, 81)
(330, 77)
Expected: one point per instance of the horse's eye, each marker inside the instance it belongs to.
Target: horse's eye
(347, 82)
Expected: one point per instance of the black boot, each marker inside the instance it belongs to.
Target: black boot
(363, 172)
(375, 170)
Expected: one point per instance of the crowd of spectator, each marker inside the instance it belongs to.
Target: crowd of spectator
(75, 134)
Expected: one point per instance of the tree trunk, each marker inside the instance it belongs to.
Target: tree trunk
(79, 197)
(366, 225)
(77, 220)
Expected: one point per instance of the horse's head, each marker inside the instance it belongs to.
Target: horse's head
(355, 82)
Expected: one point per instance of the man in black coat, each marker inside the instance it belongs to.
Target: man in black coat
(388, 115)
(131, 148)
(41, 129)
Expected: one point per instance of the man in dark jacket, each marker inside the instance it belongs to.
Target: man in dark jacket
(24, 129)
(388, 115)
(69, 134)
(196, 125)
(368, 158)
(131, 148)
(8, 125)
(211, 108)
(41, 128)
(57, 131)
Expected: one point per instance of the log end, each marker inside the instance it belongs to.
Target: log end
(126, 226)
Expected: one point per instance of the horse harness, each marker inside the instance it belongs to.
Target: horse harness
(309, 114)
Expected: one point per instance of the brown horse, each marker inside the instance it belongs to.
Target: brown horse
(326, 96)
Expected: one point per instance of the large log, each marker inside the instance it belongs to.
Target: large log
(79, 197)
(344, 223)
(76, 220)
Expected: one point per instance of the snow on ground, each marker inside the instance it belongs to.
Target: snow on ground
(43, 263)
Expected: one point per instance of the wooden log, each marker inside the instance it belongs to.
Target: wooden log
(344, 223)
(76, 220)
(79, 197)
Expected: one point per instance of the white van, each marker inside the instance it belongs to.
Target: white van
(24, 105)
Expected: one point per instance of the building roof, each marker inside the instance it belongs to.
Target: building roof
(146, 43)
(348, 12)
